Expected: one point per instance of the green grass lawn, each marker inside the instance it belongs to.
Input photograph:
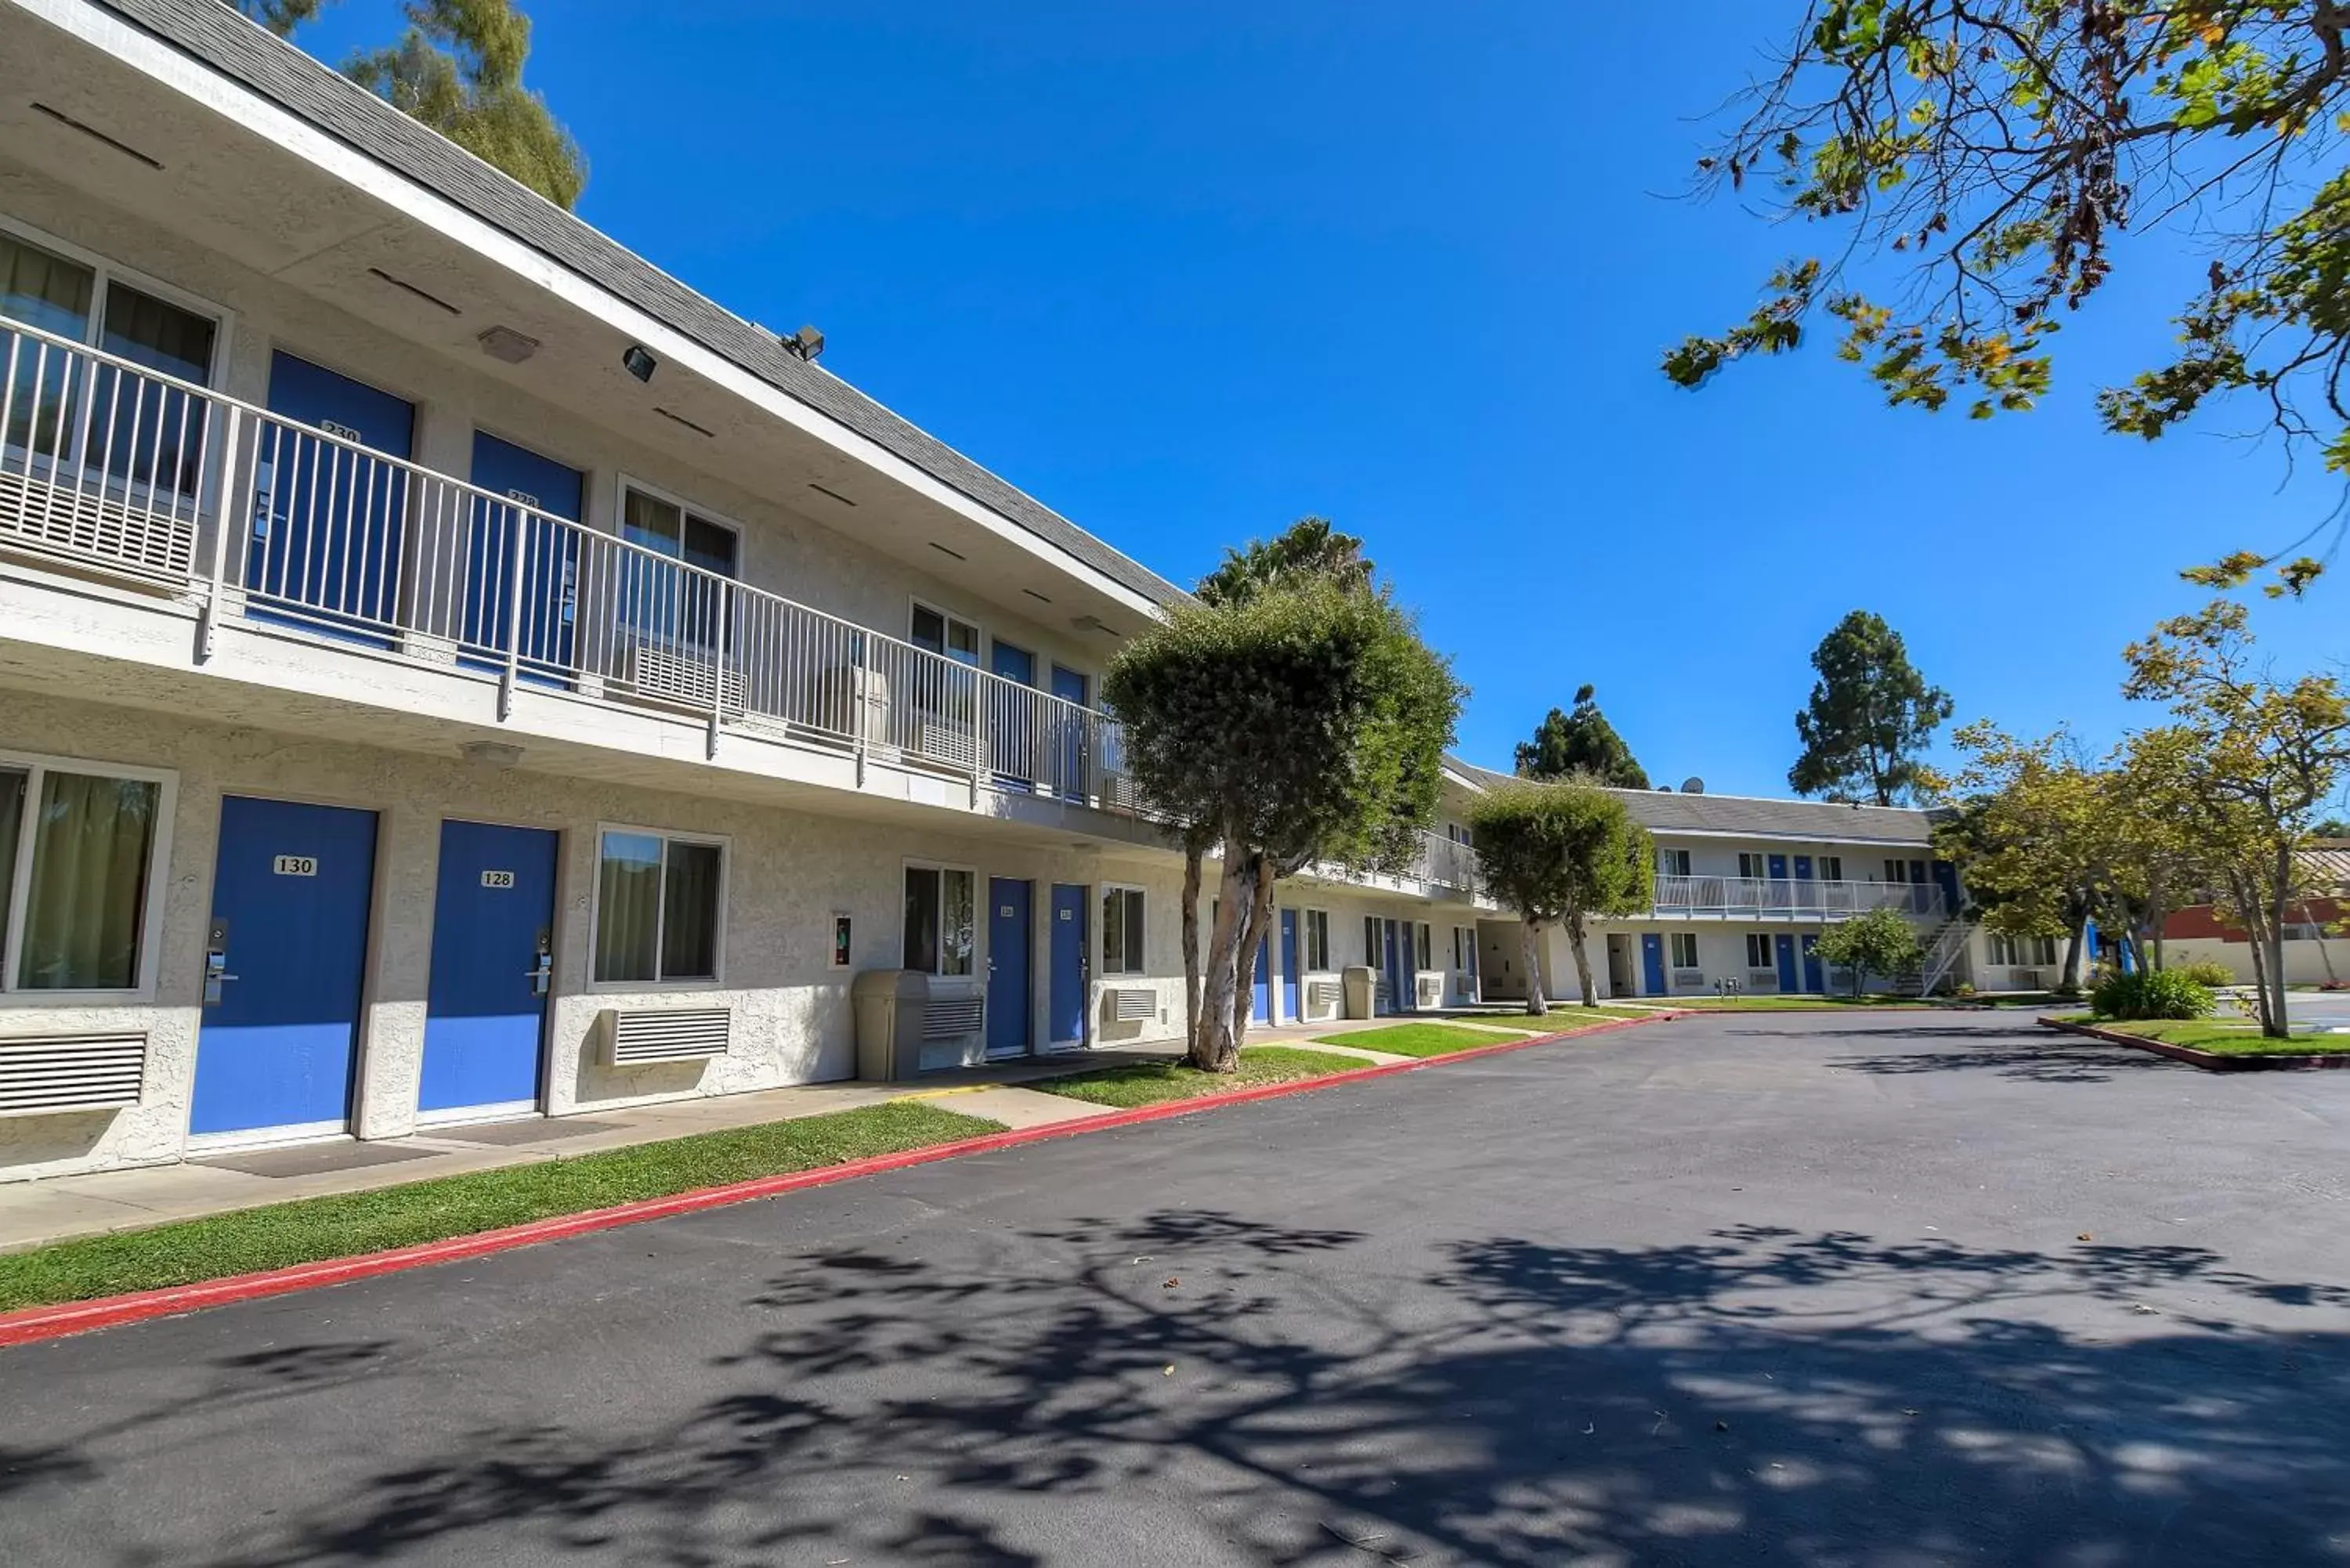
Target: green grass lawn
(2224, 1037)
(316, 1228)
(1443, 1039)
(1779, 1003)
(1150, 1082)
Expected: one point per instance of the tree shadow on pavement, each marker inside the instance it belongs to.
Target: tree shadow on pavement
(1202, 1386)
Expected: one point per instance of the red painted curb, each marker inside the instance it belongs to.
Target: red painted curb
(2209, 1061)
(34, 1323)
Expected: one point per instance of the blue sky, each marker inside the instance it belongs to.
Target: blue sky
(1187, 273)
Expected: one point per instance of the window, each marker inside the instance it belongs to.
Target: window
(78, 868)
(1672, 862)
(1897, 870)
(2039, 951)
(1758, 950)
(143, 432)
(657, 602)
(1685, 950)
(1372, 953)
(1832, 868)
(942, 633)
(1317, 939)
(658, 904)
(1457, 834)
(1427, 946)
(1122, 930)
(940, 926)
(1755, 866)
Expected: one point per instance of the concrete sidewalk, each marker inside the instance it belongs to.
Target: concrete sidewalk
(34, 1213)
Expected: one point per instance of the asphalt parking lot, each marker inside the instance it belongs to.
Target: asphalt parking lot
(1853, 1289)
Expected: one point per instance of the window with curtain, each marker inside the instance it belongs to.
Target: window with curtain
(1317, 939)
(659, 902)
(1672, 862)
(1685, 950)
(658, 602)
(1759, 954)
(131, 430)
(86, 842)
(1425, 944)
(940, 931)
(1122, 930)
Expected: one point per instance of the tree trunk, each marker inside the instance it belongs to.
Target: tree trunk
(2278, 1023)
(1214, 1050)
(1194, 851)
(2075, 942)
(1256, 926)
(1530, 936)
(2158, 910)
(1581, 960)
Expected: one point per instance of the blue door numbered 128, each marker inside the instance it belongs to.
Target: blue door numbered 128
(1783, 947)
(1072, 905)
(1009, 974)
(286, 957)
(329, 522)
(1814, 980)
(1652, 962)
(493, 929)
(1292, 1008)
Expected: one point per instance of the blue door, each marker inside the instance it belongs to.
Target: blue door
(1071, 909)
(290, 895)
(329, 524)
(1806, 896)
(1009, 975)
(1292, 998)
(1814, 981)
(1946, 878)
(1652, 962)
(493, 946)
(1260, 991)
(1783, 947)
(541, 489)
(1012, 740)
(1399, 996)
(1778, 867)
(1071, 777)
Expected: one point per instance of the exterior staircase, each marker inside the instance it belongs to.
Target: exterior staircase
(1942, 954)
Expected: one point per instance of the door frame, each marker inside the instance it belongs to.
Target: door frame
(987, 960)
(545, 1090)
(1089, 946)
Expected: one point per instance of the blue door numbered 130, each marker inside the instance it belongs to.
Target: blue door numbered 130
(492, 964)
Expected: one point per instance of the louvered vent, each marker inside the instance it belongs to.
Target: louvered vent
(1325, 993)
(1431, 991)
(1133, 1005)
(70, 1072)
(669, 1034)
(952, 1017)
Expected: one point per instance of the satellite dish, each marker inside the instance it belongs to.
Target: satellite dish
(1692, 786)
(1664, 789)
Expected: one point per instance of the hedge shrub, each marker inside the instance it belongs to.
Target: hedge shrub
(2208, 973)
(2161, 993)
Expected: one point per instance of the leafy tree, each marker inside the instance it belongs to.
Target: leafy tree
(458, 68)
(1870, 715)
(1880, 941)
(2262, 756)
(2331, 827)
(1303, 722)
(1562, 853)
(2036, 839)
(1982, 158)
(1581, 743)
(1308, 550)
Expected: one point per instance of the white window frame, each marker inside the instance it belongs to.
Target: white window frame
(1673, 950)
(1897, 870)
(108, 270)
(159, 858)
(1101, 938)
(979, 640)
(979, 921)
(1760, 860)
(1310, 916)
(724, 843)
(1770, 959)
(1830, 867)
(1424, 949)
(624, 482)
(1674, 862)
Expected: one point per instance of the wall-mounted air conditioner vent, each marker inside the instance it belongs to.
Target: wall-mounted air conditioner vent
(1324, 995)
(685, 676)
(666, 1035)
(950, 1017)
(1132, 1004)
(1431, 991)
(1762, 980)
(46, 1074)
(1689, 977)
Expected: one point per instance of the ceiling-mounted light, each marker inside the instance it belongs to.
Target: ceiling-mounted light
(506, 343)
(639, 362)
(806, 343)
(491, 754)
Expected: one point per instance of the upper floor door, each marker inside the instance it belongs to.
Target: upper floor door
(330, 515)
(536, 496)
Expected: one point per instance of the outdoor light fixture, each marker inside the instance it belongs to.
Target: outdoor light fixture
(807, 343)
(639, 362)
(491, 754)
(506, 343)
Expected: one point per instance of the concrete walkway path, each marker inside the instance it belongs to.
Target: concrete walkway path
(34, 1213)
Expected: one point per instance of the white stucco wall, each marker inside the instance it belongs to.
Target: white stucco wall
(788, 873)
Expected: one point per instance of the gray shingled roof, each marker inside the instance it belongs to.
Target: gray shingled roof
(1661, 812)
(219, 36)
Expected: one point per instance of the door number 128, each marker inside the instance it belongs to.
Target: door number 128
(498, 878)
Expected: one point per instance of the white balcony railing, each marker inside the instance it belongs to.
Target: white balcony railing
(109, 467)
(1796, 896)
(1447, 863)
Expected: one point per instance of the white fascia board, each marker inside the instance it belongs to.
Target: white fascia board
(1818, 838)
(200, 83)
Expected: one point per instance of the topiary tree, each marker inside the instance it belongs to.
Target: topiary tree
(1581, 743)
(1881, 941)
(1304, 722)
(1561, 854)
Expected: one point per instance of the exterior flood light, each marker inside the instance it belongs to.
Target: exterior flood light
(806, 343)
(639, 362)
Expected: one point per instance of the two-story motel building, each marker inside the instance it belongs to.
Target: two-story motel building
(452, 671)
